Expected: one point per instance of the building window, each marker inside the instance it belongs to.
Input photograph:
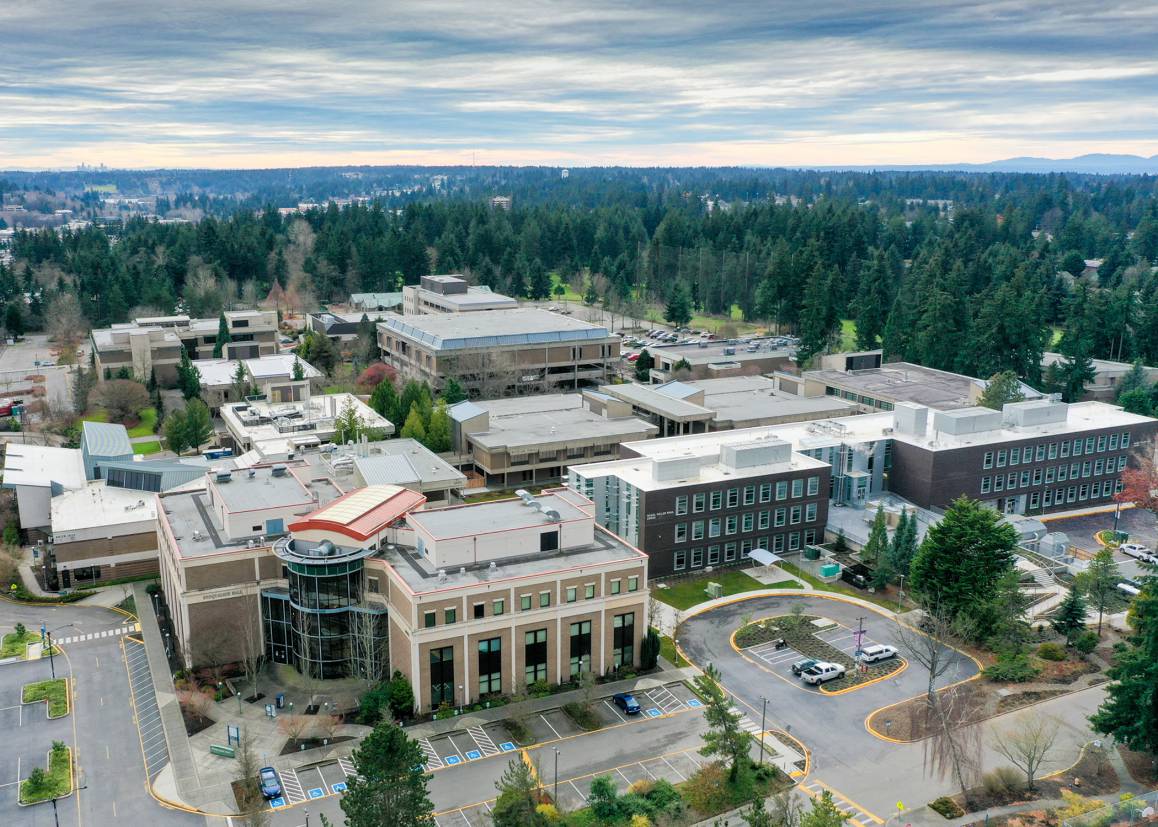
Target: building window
(544, 600)
(1050, 474)
(681, 532)
(1053, 450)
(795, 517)
(449, 616)
(1121, 463)
(810, 513)
(1025, 477)
(713, 555)
(698, 502)
(748, 522)
(778, 542)
(679, 563)
(429, 620)
(498, 607)
(525, 602)
(1001, 459)
(782, 490)
(633, 583)
(1102, 442)
(717, 500)
(623, 640)
(810, 536)
(733, 497)
(988, 461)
(797, 488)
(442, 676)
(1037, 476)
(616, 585)
(1125, 439)
(1089, 445)
(1099, 467)
(730, 525)
(1015, 456)
(813, 486)
(1065, 449)
(480, 611)
(986, 485)
(1011, 480)
(490, 666)
(697, 557)
(730, 551)
(794, 541)
(372, 585)
(589, 591)
(781, 513)
(999, 482)
(749, 495)
(1034, 500)
(681, 505)
(549, 541)
(698, 530)
(572, 593)
(535, 655)
(765, 519)
(580, 647)
(1047, 497)
(1087, 466)
(765, 492)
(1077, 452)
(714, 527)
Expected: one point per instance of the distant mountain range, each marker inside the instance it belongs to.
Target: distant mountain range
(1097, 163)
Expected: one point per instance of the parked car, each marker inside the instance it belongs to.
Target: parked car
(270, 783)
(802, 665)
(1137, 551)
(871, 654)
(626, 701)
(1129, 589)
(822, 673)
(633, 357)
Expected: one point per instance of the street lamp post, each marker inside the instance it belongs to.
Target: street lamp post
(48, 636)
(763, 716)
(901, 593)
(555, 794)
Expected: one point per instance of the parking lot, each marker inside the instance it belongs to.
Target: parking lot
(779, 661)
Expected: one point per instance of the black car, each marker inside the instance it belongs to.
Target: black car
(801, 665)
(626, 701)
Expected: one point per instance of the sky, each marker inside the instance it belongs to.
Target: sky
(251, 83)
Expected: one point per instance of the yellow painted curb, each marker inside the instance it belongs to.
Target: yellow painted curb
(878, 679)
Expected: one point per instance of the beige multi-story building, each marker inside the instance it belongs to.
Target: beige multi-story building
(151, 346)
(451, 294)
(500, 352)
(468, 601)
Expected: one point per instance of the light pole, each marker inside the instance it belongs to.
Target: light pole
(555, 794)
(48, 635)
(763, 716)
(307, 812)
(901, 593)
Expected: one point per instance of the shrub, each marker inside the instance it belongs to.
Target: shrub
(664, 797)
(372, 704)
(1051, 651)
(548, 811)
(1086, 642)
(640, 820)
(20, 630)
(1075, 805)
(1003, 781)
(539, 689)
(1012, 669)
(947, 807)
(707, 789)
(581, 715)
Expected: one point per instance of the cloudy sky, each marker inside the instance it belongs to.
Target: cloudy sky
(245, 83)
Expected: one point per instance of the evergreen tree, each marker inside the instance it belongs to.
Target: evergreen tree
(438, 432)
(824, 813)
(188, 377)
(366, 345)
(14, 318)
(1070, 376)
(958, 567)
(1001, 389)
(1070, 617)
(348, 426)
(818, 319)
(299, 372)
(1137, 401)
(414, 427)
(452, 392)
(643, 366)
(724, 737)
(1099, 583)
(540, 281)
(198, 424)
(1130, 714)
(591, 296)
(516, 804)
(1134, 380)
(384, 400)
(389, 783)
(176, 431)
(870, 307)
(222, 337)
(240, 386)
(679, 306)
(878, 539)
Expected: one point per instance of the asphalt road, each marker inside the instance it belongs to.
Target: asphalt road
(101, 728)
(844, 754)
(18, 361)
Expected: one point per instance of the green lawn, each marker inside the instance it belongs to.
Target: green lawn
(838, 587)
(153, 446)
(684, 594)
(668, 651)
(15, 645)
(53, 691)
(568, 294)
(146, 427)
(55, 783)
(847, 334)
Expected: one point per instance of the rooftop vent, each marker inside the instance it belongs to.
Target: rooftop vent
(442, 575)
(222, 475)
(279, 470)
(552, 515)
(251, 473)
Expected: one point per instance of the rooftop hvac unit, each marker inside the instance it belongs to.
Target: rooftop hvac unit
(251, 473)
(223, 475)
(442, 575)
(552, 515)
(279, 470)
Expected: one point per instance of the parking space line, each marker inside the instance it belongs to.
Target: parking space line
(455, 746)
(673, 769)
(483, 740)
(624, 777)
(576, 789)
(548, 723)
(611, 706)
(432, 756)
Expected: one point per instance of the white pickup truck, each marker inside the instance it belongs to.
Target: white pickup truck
(822, 673)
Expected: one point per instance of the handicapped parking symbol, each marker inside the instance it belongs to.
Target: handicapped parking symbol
(317, 792)
(277, 802)
(473, 755)
(653, 713)
(507, 746)
(339, 787)
(453, 759)
(694, 703)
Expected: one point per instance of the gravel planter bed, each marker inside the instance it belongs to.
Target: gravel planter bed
(799, 633)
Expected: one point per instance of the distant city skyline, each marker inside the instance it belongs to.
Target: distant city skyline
(251, 83)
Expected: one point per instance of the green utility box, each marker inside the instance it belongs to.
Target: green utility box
(811, 552)
(830, 570)
(224, 752)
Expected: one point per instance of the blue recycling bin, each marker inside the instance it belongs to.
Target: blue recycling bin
(280, 700)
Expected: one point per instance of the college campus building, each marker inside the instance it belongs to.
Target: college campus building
(151, 346)
(532, 440)
(500, 352)
(268, 376)
(467, 601)
(286, 418)
(698, 405)
(713, 360)
(1032, 457)
(451, 294)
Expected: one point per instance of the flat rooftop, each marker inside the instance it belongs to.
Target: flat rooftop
(728, 399)
(98, 505)
(1101, 366)
(499, 515)
(908, 382)
(405, 461)
(262, 490)
(555, 418)
(710, 353)
(42, 465)
(107, 338)
(474, 296)
(498, 328)
(639, 472)
(312, 420)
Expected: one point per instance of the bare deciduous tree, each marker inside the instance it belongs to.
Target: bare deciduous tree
(1028, 743)
(250, 801)
(250, 646)
(212, 648)
(369, 653)
(293, 726)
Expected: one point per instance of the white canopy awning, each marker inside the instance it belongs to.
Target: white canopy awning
(764, 557)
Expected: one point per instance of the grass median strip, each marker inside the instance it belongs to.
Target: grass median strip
(55, 783)
(683, 594)
(16, 643)
(54, 692)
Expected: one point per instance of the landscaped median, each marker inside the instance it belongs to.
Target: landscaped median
(799, 632)
(55, 783)
(688, 592)
(53, 692)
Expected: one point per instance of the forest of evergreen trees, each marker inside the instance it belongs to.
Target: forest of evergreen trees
(975, 282)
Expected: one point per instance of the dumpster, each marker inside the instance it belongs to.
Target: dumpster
(830, 570)
(280, 700)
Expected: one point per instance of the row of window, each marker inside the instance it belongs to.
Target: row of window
(1073, 493)
(745, 523)
(527, 601)
(1039, 453)
(733, 497)
(1055, 473)
(695, 558)
(490, 658)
